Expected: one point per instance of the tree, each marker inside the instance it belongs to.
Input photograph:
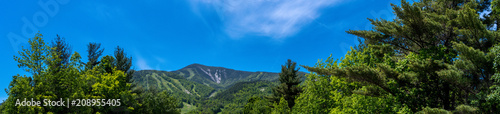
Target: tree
(108, 64)
(59, 72)
(435, 54)
(32, 59)
(289, 84)
(156, 102)
(123, 63)
(56, 75)
(62, 50)
(256, 105)
(317, 96)
(281, 107)
(93, 55)
(340, 94)
(104, 81)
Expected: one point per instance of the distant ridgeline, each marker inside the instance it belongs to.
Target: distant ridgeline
(196, 81)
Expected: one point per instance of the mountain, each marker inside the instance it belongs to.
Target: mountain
(220, 77)
(163, 80)
(183, 89)
(196, 83)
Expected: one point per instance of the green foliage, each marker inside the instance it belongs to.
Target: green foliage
(281, 107)
(493, 97)
(188, 108)
(257, 105)
(465, 109)
(184, 85)
(123, 63)
(155, 102)
(62, 51)
(179, 87)
(19, 88)
(93, 55)
(428, 110)
(2, 107)
(333, 94)
(436, 53)
(317, 96)
(199, 73)
(235, 99)
(32, 58)
(289, 87)
(434, 57)
(56, 75)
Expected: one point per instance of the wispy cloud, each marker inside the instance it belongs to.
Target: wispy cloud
(102, 11)
(271, 18)
(148, 61)
(142, 63)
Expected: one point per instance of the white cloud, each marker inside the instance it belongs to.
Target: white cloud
(152, 63)
(271, 18)
(142, 63)
(102, 11)
(159, 59)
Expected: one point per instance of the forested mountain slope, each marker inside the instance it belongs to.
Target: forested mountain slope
(220, 77)
(194, 82)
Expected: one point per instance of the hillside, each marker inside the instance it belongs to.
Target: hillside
(207, 86)
(210, 76)
(188, 91)
(234, 98)
(220, 77)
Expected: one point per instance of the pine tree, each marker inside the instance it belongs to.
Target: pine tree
(93, 55)
(289, 87)
(435, 53)
(58, 71)
(123, 63)
(62, 50)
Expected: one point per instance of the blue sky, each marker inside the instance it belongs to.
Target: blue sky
(250, 35)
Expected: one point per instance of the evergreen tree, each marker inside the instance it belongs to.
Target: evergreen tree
(436, 54)
(123, 63)
(58, 71)
(62, 50)
(93, 55)
(289, 87)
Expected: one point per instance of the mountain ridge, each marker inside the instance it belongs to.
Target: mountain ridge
(198, 64)
(191, 78)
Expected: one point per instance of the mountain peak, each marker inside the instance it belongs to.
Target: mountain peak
(195, 65)
(199, 66)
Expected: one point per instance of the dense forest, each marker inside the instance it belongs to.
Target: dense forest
(436, 56)
(56, 73)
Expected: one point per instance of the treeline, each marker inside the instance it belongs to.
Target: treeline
(56, 73)
(233, 99)
(436, 56)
